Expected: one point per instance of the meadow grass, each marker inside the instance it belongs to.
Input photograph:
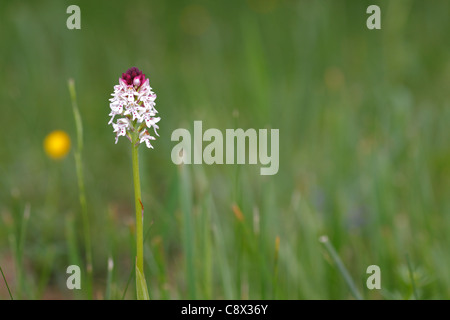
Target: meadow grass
(364, 154)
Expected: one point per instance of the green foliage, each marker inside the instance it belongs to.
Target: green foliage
(364, 154)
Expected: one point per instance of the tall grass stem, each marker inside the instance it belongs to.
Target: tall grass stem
(81, 188)
(340, 265)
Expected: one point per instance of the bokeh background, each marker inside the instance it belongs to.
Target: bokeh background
(364, 148)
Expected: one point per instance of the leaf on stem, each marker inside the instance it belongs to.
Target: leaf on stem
(141, 286)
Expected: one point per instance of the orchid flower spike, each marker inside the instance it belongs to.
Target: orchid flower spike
(134, 102)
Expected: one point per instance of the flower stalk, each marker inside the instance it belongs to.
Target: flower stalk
(138, 205)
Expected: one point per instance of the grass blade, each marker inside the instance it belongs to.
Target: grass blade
(6, 282)
(81, 188)
(348, 279)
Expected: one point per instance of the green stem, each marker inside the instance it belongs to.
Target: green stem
(139, 206)
(340, 265)
(134, 267)
(85, 220)
(81, 188)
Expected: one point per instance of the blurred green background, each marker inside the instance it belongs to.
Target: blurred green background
(364, 148)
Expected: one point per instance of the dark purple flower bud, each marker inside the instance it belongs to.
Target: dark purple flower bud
(133, 76)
